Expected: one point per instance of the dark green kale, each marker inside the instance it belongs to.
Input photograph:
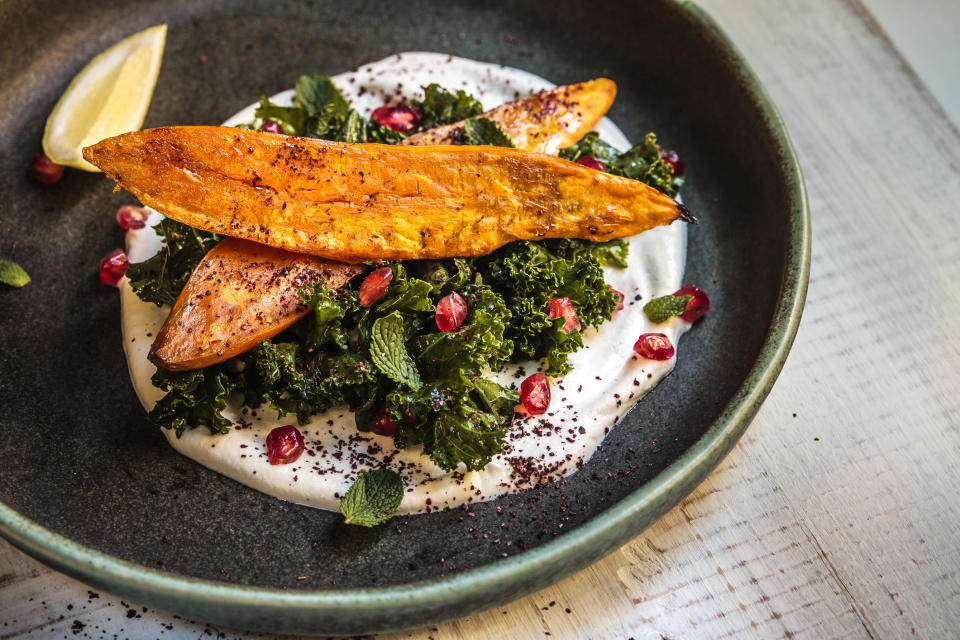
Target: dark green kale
(389, 362)
(161, 278)
(485, 131)
(195, 398)
(642, 162)
(294, 380)
(440, 107)
(319, 110)
(528, 276)
(611, 253)
(478, 344)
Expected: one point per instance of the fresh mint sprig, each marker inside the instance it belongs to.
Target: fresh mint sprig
(388, 352)
(661, 309)
(373, 498)
(13, 274)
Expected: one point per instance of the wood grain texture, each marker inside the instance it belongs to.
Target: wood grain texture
(836, 516)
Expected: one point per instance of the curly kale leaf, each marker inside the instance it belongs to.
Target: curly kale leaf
(460, 421)
(478, 344)
(406, 293)
(485, 131)
(440, 107)
(590, 145)
(611, 253)
(161, 278)
(528, 276)
(330, 308)
(293, 380)
(642, 162)
(195, 398)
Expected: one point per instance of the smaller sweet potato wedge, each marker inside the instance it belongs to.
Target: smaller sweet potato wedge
(544, 122)
(241, 293)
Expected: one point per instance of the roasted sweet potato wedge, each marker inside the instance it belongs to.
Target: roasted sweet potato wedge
(241, 293)
(354, 202)
(544, 122)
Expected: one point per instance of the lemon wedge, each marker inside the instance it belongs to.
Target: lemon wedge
(108, 97)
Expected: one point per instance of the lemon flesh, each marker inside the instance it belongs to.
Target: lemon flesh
(108, 97)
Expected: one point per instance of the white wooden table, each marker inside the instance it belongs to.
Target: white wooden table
(837, 514)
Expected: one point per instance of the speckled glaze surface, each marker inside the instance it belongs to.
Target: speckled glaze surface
(89, 488)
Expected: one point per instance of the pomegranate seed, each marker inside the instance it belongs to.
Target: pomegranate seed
(45, 170)
(563, 307)
(381, 424)
(535, 394)
(654, 346)
(620, 297)
(271, 126)
(451, 312)
(699, 304)
(592, 163)
(402, 118)
(113, 267)
(375, 286)
(284, 445)
(129, 217)
(672, 159)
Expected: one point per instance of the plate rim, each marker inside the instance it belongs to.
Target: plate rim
(488, 585)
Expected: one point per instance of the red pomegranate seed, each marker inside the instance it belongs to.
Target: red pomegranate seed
(535, 394)
(375, 286)
(113, 267)
(284, 445)
(271, 126)
(563, 307)
(592, 163)
(45, 170)
(654, 346)
(381, 424)
(620, 297)
(402, 118)
(672, 159)
(698, 305)
(451, 312)
(129, 217)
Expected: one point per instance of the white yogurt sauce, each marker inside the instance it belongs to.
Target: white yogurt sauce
(606, 381)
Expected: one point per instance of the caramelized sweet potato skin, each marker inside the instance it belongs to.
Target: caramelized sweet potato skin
(241, 293)
(355, 202)
(544, 122)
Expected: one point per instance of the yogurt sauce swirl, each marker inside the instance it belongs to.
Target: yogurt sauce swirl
(586, 404)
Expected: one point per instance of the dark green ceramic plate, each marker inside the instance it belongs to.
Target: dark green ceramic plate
(88, 488)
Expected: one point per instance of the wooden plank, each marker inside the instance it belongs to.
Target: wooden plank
(836, 515)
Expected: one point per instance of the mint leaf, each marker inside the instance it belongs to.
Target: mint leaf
(13, 274)
(291, 119)
(661, 309)
(373, 498)
(318, 93)
(485, 131)
(389, 354)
